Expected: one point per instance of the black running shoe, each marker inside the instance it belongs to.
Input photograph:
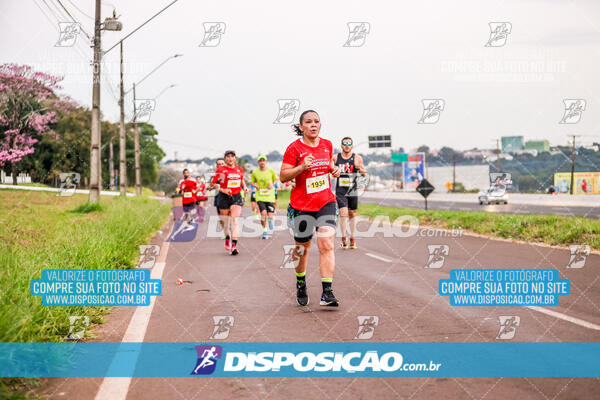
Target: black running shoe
(301, 295)
(328, 299)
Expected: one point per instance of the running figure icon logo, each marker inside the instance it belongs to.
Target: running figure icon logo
(366, 326)
(573, 110)
(68, 183)
(287, 110)
(437, 255)
(212, 34)
(148, 254)
(432, 109)
(499, 32)
(508, 326)
(183, 231)
(291, 255)
(579, 253)
(207, 359)
(68, 34)
(357, 34)
(143, 109)
(77, 325)
(223, 324)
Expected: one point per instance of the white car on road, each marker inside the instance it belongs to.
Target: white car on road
(493, 194)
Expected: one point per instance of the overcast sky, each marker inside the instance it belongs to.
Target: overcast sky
(226, 96)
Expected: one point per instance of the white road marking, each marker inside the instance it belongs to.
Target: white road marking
(378, 257)
(116, 388)
(565, 317)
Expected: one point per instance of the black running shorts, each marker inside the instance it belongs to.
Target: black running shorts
(303, 223)
(226, 201)
(347, 201)
(265, 205)
(189, 207)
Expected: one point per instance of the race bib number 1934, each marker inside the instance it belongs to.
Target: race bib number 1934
(317, 183)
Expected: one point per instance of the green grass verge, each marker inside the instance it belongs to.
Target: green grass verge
(44, 231)
(550, 229)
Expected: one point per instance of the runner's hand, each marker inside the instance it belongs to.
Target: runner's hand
(270, 186)
(307, 162)
(335, 172)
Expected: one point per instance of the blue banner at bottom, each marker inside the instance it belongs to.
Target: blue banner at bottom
(289, 359)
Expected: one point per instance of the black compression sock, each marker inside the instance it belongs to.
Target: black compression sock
(234, 241)
(326, 282)
(227, 237)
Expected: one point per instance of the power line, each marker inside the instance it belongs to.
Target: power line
(74, 20)
(43, 12)
(79, 9)
(52, 11)
(55, 24)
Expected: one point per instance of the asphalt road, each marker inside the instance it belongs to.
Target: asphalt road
(384, 277)
(510, 208)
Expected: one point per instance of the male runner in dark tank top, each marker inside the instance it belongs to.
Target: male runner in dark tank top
(346, 192)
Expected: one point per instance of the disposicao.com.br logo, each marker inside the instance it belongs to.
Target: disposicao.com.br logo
(327, 362)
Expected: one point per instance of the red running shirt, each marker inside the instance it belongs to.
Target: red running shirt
(313, 186)
(188, 188)
(229, 178)
(200, 195)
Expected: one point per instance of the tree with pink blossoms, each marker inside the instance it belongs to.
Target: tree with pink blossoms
(28, 108)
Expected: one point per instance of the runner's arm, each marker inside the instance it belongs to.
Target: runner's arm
(289, 172)
(253, 182)
(334, 169)
(360, 165)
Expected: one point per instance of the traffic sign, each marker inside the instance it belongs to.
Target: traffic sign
(425, 188)
(380, 141)
(399, 157)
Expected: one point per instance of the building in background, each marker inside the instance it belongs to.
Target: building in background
(539, 146)
(511, 144)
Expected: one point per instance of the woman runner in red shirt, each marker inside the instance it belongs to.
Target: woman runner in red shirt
(201, 198)
(312, 203)
(230, 179)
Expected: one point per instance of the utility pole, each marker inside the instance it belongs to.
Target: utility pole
(136, 141)
(111, 165)
(122, 154)
(95, 161)
(572, 163)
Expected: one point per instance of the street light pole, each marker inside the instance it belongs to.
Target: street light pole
(164, 90)
(136, 141)
(122, 133)
(95, 162)
(136, 131)
(572, 163)
(122, 153)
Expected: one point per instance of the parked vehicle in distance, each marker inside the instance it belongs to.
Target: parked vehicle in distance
(493, 194)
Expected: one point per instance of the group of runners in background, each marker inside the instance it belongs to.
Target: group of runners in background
(307, 165)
